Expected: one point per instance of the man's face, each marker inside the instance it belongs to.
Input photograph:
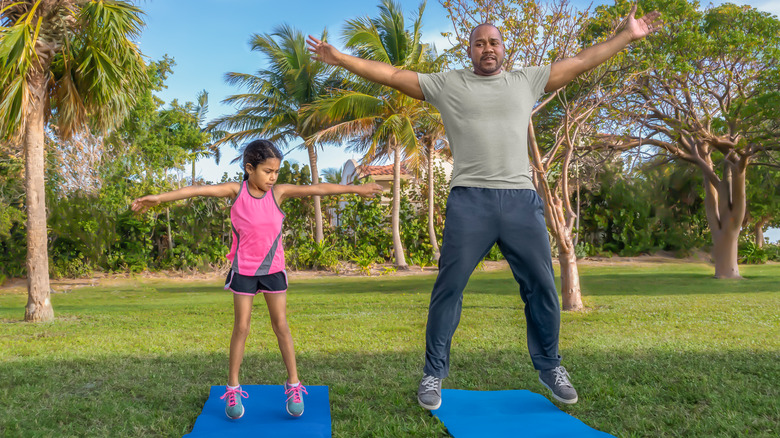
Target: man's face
(486, 50)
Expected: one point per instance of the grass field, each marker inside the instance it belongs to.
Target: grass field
(663, 350)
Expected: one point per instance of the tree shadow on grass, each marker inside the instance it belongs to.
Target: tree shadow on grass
(626, 284)
(673, 284)
(627, 394)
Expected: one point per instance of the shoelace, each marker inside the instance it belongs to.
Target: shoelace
(295, 393)
(561, 377)
(231, 395)
(430, 383)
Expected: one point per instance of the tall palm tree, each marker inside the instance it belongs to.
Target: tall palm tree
(271, 107)
(433, 138)
(379, 121)
(76, 62)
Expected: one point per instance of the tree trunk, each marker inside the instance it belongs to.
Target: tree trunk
(398, 248)
(560, 221)
(759, 232)
(315, 179)
(725, 253)
(39, 306)
(570, 278)
(725, 205)
(431, 227)
(168, 225)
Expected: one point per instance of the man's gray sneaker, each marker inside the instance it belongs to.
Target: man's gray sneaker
(557, 380)
(429, 392)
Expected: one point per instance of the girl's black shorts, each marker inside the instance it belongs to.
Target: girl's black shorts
(253, 284)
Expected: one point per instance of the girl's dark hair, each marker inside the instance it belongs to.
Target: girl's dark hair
(256, 152)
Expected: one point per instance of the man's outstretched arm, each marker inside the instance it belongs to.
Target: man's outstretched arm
(404, 81)
(564, 71)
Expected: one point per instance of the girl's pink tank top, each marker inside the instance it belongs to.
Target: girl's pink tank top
(257, 234)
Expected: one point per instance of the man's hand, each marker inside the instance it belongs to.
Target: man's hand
(369, 190)
(639, 28)
(323, 51)
(405, 81)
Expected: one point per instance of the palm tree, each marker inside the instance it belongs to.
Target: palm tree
(332, 175)
(74, 61)
(380, 122)
(433, 138)
(207, 148)
(272, 106)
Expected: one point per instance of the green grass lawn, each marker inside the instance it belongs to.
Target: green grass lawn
(663, 351)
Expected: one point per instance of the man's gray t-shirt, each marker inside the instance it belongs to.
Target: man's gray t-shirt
(486, 119)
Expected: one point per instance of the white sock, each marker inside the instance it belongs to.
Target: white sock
(233, 387)
(293, 385)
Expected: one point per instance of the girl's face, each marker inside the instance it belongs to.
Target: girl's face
(264, 175)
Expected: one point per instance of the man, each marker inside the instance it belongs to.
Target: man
(486, 112)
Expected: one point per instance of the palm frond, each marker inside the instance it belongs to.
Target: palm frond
(17, 57)
(201, 106)
(364, 38)
(351, 105)
(352, 129)
(13, 103)
(395, 39)
(68, 105)
(109, 70)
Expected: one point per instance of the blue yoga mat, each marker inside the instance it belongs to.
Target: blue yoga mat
(517, 413)
(265, 414)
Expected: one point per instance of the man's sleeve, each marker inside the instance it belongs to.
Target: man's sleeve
(431, 85)
(537, 79)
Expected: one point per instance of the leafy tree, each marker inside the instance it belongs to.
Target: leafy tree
(709, 98)
(763, 198)
(656, 205)
(76, 62)
(12, 217)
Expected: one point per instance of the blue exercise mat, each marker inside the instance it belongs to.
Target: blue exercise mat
(517, 413)
(265, 414)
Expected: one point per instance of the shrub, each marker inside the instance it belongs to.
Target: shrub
(750, 253)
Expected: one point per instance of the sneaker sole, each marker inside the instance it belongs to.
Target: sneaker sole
(429, 407)
(570, 401)
(236, 418)
(293, 415)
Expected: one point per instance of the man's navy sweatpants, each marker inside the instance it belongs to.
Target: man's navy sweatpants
(477, 218)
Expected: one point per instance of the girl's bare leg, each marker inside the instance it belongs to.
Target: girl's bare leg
(277, 309)
(242, 309)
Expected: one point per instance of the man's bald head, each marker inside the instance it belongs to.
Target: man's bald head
(471, 35)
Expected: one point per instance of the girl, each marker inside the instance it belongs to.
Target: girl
(257, 256)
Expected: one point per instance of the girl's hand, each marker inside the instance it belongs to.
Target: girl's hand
(141, 205)
(323, 51)
(369, 190)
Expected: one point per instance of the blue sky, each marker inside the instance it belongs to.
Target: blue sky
(208, 38)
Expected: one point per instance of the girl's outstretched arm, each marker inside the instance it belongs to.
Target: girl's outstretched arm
(224, 190)
(286, 191)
